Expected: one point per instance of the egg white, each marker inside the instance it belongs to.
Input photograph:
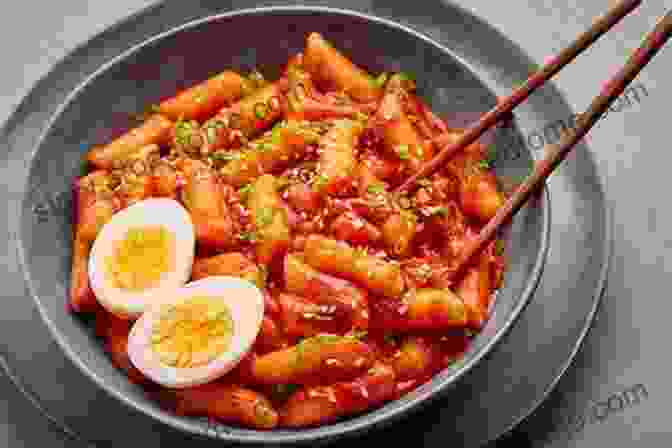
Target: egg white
(246, 304)
(176, 220)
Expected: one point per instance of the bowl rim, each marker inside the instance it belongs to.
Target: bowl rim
(376, 418)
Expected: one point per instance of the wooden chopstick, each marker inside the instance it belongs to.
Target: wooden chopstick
(496, 114)
(556, 153)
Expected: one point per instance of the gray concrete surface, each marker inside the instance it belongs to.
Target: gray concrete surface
(627, 346)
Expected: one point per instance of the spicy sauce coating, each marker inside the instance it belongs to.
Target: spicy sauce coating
(289, 184)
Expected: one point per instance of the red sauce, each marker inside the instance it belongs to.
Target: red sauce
(447, 210)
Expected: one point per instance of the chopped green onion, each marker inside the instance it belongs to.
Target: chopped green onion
(215, 124)
(403, 152)
(323, 338)
(260, 110)
(381, 79)
(248, 236)
(376, 188)
(276, 132)
(227, 156)
(83, 167)
(318, 339)
(300, 350)
(212, 135)
(457, 362)
(264, 217)
(320, 181)
(361, 252)
(184, 131)
(406, 76)
(439, 211)
(245, 189)
(328, 338)
(484, 164)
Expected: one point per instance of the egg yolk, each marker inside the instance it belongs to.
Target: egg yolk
(141, 257)
(193, 332)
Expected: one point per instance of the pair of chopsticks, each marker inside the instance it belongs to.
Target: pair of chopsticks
(555, 153)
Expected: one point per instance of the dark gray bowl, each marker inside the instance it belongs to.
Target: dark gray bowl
(102, 105)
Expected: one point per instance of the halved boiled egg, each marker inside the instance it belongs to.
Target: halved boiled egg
(144, 251)
(198, 332)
